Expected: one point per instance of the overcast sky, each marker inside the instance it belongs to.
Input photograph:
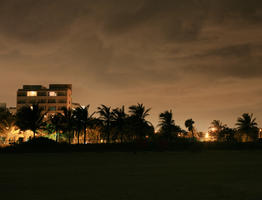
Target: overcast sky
(200, 58)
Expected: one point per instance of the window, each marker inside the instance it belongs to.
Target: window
(42, 101)
(32, 93)
(21, 94)
(52, 94)
(51, 101)
(52, 108)
(61, 94)
(60, 108)
(42, 94)
(42, 107)
(62, 101)
(33, 101)
(21, 101)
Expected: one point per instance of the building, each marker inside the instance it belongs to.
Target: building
(3, 106)
(51, 99)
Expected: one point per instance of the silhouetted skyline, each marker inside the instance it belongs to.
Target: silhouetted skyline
(200, 58)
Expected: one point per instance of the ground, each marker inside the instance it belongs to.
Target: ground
(208, 175)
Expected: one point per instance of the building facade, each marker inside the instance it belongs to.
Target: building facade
(51, 99)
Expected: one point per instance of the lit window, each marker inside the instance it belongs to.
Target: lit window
(31, 93)
(52, 94)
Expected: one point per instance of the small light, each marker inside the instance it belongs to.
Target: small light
(213, 129)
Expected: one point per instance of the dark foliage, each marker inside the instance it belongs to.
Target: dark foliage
(30, 118)
(83, 120)
(7, 120)
(247, 126)
(168, 129)
(106, 118)
(189, 124)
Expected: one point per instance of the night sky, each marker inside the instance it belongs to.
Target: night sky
(200, 58)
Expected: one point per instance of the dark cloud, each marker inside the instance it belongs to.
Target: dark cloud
(239, 51)
(238, 11)
(231, 61)
(171, 20)
(38, 21)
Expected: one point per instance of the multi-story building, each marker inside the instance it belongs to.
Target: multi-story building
(51, 99)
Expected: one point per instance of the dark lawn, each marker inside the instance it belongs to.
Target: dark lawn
(145, 175)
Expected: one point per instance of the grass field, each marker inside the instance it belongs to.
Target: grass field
(145, 175)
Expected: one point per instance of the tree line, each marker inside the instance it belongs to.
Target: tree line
(116, 125)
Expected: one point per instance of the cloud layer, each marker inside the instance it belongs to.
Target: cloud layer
(200, 58)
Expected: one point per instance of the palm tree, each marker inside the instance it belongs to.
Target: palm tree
(227, 134)
(78, 127)
(96, 130)
(84, 119)
(167, 125)
(138, 117)
(119, 121)
(57, 122)
(106, 117)
(215, 129)
(190, 126)
(68, 122)
(30, 118)
(139, 111)
(247, 125)
(217, 125)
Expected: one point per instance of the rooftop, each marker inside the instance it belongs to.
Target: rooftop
(51, 87)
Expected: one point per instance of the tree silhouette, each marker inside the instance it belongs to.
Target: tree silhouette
(217, 124)
(119, 121)
(215, 130)
(141, 126)
(227, 134)
(139, 111)
(167, 125)
(57, 122)
(190, 126)
(30, 118)
(106, 117)
(83, 119)
(78, 126)
(68, 122)
(247, 125)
